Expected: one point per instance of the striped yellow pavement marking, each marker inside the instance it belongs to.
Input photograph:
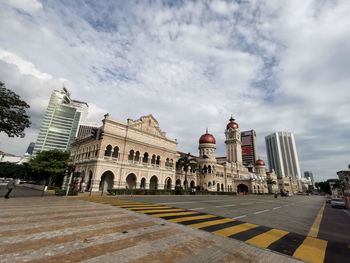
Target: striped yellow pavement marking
(160, 210)
(234, 229)
(212, 223)
(174, 214)
(266, 239)
(311, 250)
(184, 219)
(316, 225)
(135, 205)
(145, 207)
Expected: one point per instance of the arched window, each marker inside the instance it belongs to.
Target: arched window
(108, 151)
(158, 160)
(167, 162)
(209, 169)
(115, 152)
(131, 155)
(145, 158)
(143, 183)
(153, 160)
(137, 156)
(171, 163)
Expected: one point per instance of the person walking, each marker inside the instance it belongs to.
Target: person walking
(10, 186)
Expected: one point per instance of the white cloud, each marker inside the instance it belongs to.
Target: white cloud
(274, 66)
(30, 6)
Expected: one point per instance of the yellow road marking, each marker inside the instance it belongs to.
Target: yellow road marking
(311, 250)
(145, 207)
(174, 214)
(184, 219)
(212, 223)
(234, 229)
(316, 225)
(160, 210)
(135, 205)
(266, 239)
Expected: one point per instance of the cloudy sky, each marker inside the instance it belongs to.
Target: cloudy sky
(274, 65)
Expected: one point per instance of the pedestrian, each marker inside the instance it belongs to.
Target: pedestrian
(275, 195)
(82, 187)
(10, 186)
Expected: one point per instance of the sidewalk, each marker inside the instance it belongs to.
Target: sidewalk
(60, 229)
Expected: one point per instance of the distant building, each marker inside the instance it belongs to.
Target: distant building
(344, 177)
(11, 158)
(282, 154)
(30, 148)
(85, 130)
(309, 176)
(249, 148)
(60, 123)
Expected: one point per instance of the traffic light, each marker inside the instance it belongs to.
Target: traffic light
(100, 135)
(94, 132)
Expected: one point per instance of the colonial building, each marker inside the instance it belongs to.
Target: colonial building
(137, 154)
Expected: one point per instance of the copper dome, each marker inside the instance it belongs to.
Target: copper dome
(232, 124)
(207, 138)
(260, 162)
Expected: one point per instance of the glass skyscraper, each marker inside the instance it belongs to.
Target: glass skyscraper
(282, 154)
(61, 121)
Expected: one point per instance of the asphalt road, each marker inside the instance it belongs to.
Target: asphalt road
(294, 214)
(335, 224)
(20, 191)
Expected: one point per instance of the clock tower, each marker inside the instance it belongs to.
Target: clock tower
(233, 142)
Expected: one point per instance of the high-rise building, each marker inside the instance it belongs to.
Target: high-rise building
(60, 123)
(85, 130)
(249, 147)
(30, 148)
(282, 154)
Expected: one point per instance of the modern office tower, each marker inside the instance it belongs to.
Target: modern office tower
(85, 130)
(282, 154)
(249, 147)
(60, 123)
(308, 175)
(30, 148)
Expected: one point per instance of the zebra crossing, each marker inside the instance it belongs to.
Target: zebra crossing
(301, 247)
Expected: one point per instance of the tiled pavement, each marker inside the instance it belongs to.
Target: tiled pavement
(306, 248)
(59, 229)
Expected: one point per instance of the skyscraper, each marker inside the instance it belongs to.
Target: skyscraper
(282, 154)
(30, 148)
(60, 123)
(249, 148)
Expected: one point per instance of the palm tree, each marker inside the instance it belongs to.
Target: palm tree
(186, 162)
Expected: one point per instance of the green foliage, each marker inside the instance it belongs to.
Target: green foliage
(13, 116)
(50, 164)
(324, 187)
(186, 162)
(13, 170)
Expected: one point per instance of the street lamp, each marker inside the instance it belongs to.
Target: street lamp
(71, 170)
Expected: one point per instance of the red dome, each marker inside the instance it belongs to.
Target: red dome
(232, 124)
(260, 162)
(207, 138)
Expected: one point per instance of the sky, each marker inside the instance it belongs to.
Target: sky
(273, 65)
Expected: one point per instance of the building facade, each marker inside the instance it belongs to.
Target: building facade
(60, 123)
(137, 154)
(249, 147)
(282, 154)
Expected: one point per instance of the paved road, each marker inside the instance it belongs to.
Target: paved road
(335, 224)
(60, 229)
(20, 191)
(294, 214)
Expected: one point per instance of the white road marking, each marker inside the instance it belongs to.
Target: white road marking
(237, 217)
(346, 211)
(200, 208)
(286, 205)
(262, 211)
(278, 207)
(224, 205)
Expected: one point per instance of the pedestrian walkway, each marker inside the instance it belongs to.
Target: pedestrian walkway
(306, 248)
(61, 229)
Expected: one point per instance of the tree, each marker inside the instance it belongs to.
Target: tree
(186, 162)
(13, 117)
(50, 165)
